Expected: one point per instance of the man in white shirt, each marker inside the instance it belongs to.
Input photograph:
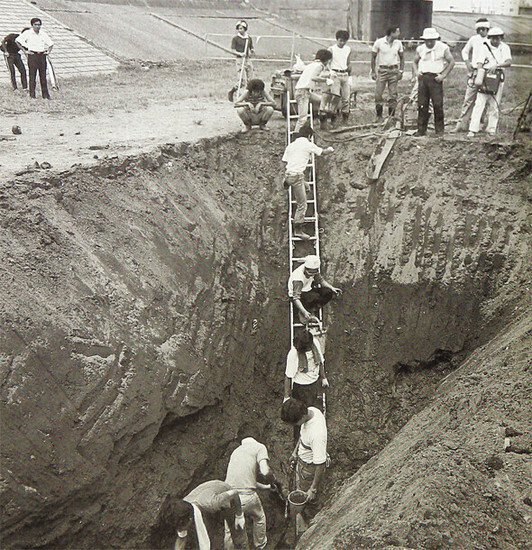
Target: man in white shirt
(308, 290)
(246, 461)
(387, 67)
(473, 54)
(432, 63)
(297, 156)
(36, 44)
(310, 453)
(340, 71)
(310, 74)
(497, 55)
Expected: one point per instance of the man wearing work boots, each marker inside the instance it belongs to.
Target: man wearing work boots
(210, 504)
(432, 63)
(387, 67)
(310, 453)
(497, 55)
(340, 72)
(297, 156)
(473, 54)
(246, 461)
(308, 290)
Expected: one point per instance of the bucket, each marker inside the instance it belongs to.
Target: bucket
(331, 102)
(297, 500)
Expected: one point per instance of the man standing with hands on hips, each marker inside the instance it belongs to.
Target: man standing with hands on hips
(432, 63)
(36, 44)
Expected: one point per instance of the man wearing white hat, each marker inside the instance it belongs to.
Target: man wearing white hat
(308, 290)
(473, 54)
(497, 56)
(432, 63)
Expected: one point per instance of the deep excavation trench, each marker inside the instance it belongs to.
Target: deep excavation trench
(144, 302)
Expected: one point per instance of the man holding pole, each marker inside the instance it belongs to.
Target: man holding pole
(242, 47)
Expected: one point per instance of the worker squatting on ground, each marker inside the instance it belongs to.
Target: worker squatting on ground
(210, 505)
(340, 68)
(473, 54)
(432, 63)
(497, 56)
(311, 73)
(308, 290)
(387, 68)
(36, 44)
(11, 51)
(310, 453)
(246, 461)
(255, 105)
(242, 47)
(297, 156)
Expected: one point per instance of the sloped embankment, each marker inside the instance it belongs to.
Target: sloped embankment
(438, 253)
(145, 319)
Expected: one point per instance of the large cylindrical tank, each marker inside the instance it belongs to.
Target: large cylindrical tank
(411, 15)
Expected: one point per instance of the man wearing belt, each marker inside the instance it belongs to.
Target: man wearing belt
(12, 54)
(37, 45)
(341, 70)
(310, 453)
(388, 56)
(473, 55)
(246, 461)
(432, 63)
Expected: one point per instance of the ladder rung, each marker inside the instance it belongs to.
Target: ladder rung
(298, 259)
(300, 239)
(308, 202)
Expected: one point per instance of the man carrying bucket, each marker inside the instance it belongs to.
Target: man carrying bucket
(310, 453)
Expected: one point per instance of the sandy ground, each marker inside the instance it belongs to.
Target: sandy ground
(87, 138)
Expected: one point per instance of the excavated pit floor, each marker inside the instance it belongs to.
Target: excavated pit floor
(147, 320)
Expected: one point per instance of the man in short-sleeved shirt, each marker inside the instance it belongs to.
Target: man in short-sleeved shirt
(242, 47)
(211, 501)
(310, 452)
(297, 156)
(432, 63)
(246, 461)
(387, 67)
(473, 55)
(37, 45)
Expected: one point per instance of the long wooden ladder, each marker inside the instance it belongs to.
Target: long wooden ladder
(311, 216)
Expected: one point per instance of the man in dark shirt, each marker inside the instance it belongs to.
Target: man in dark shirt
(13, 59)
(242, 47)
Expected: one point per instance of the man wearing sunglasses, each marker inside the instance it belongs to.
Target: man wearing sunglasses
(36, 44)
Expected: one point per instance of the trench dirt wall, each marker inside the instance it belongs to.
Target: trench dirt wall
(146, 318)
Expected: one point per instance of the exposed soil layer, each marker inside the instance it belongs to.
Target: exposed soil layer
(146, 318)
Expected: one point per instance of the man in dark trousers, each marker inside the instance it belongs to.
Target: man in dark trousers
(432, 63)
(37, 45)
(13, 59)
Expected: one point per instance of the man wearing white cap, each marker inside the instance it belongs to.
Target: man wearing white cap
(473, 54)
(497, 56)
(308, 290)
(432, 63)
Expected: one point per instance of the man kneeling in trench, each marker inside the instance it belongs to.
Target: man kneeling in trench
(310, 453)
(210, 505)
